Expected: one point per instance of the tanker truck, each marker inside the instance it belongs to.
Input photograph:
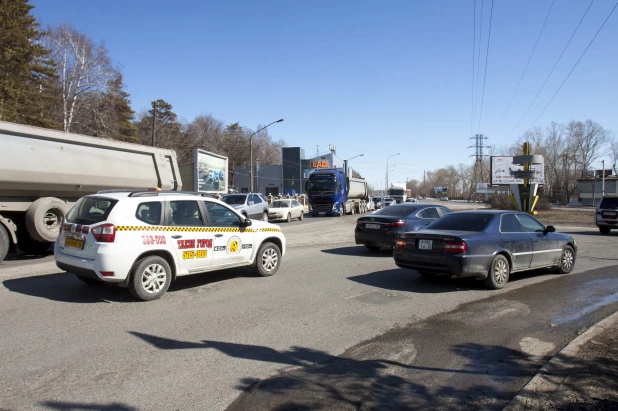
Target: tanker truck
(330, 192)
(44, 172)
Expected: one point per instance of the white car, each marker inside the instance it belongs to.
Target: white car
(286, 210)
(388, 201)
(143, 240)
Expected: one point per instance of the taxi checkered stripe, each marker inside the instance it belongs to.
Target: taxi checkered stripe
(191, 229)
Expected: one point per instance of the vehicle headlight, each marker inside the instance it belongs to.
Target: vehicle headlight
(335, 207)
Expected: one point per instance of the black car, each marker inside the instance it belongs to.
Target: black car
(488, 245)
(381, 229)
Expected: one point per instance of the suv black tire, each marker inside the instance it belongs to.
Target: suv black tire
(136, 283)
(605, 230)
(263, 266)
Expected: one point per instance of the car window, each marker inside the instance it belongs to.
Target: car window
(397, 211)
(510, 224)
(221, 216)
(444, 211)
(461, 222)
(280, 204)
(186, 214)
(262, 198)
(149, 213)
(609, 203)
(90, 210)
(530, 224)
(295, 203)
(234, 199)
(430, 212)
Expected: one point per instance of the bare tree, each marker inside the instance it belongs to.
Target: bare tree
(589, 142)
(82, 67)
(614, 153)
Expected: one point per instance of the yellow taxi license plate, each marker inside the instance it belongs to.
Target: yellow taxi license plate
(74, 242)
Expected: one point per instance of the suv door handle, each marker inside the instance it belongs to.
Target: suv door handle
(176, 236)
(218, 235)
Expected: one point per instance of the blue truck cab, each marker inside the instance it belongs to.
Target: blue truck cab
(327, 191)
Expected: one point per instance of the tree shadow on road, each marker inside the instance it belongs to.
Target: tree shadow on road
(75, 406)
(374, 375)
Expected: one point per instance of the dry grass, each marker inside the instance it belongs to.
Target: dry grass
(582, 217)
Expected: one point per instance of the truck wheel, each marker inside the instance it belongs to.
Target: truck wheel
(44, 217)
(5, 243)
(268, 259)
(30, 246)
(151, 278)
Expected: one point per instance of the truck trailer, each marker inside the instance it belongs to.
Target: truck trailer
(397, 191)
(44, 172)
(330, 192)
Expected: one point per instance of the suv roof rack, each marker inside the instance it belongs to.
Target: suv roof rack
(140, 192)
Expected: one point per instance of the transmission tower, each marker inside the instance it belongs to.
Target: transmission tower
(479, 139)
(478, 146)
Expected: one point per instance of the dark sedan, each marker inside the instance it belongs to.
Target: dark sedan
(381, 229)
(487, 245)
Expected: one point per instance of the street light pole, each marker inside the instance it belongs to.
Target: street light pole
(603, 183)
(386, 181)
(251, 152)
(345, 163)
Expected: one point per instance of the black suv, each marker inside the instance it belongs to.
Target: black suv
(606, 215)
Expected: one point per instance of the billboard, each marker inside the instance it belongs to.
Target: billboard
(503, 171)
(210, 172)
(442, 191)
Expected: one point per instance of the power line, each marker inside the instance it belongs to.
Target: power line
(473, 68)
(553, 68)
(491, 14)
(478, 60)
(573, 69)
(528, 63)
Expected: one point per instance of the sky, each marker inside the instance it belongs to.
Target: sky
(371, 77)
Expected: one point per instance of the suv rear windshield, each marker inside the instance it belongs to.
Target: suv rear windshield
(234, 199)
(609, 203)
(91, 210)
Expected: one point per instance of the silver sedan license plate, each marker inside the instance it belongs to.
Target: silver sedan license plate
(372, 226)
(425, 244)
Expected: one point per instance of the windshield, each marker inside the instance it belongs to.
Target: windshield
(234, 199)
(322, 185)
(90, 210)
(281, 204)
(609, 203)
(462, 222)
(396, 192)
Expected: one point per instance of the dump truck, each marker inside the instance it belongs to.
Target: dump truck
(397, 191)
(331, 192)
(44, 172)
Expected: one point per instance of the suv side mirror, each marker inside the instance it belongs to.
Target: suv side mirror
(550, 229)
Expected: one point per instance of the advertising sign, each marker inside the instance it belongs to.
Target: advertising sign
(210, 173)
(443, 191)
(503, 171)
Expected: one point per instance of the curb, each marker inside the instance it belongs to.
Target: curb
(541, 380)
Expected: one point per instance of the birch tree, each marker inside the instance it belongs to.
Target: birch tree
(82, 67)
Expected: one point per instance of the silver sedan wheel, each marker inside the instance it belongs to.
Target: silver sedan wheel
(567, 259)
(154, 278)
(501, 271)
(265, 216)
(270, 259)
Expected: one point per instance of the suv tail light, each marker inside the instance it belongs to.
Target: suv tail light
(401, 243)
(455, 247)
(105, 233)
(395, 224)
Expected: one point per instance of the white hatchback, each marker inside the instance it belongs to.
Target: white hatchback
(286, 209)
(143, 240)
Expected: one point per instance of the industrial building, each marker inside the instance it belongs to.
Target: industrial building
(292, 174)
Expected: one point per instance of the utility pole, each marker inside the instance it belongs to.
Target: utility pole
(154, 122)
(603, 183)
(478, 154)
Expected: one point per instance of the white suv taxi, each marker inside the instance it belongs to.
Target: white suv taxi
(143, 240)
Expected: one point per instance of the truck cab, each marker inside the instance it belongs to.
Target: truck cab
(327, 190)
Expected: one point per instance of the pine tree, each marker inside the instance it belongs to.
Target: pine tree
(28, 92)
(117, 106)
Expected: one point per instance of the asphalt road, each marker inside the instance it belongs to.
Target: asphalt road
(210, 340)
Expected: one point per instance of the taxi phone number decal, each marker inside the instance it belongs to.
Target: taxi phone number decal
(153, 239)
(191, 254)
